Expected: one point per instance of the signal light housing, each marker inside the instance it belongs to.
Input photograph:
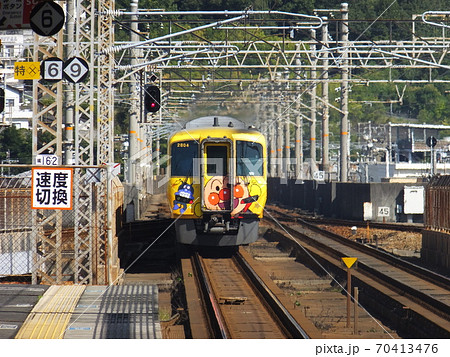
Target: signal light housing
(152, 98)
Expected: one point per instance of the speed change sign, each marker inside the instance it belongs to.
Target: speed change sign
(76, 69)
(52, 69)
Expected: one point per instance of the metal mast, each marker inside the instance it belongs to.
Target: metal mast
(105, 80)
(325, 109)
(344, 95)
(48, 257)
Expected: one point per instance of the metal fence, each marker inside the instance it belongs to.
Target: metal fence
(61, 246)
(437, 204)
(436, 235)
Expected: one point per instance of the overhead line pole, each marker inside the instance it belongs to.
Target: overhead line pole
(344, 95)
(325, 109)
(134, 111)
(313, 94)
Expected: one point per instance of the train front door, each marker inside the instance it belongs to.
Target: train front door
(217, 176)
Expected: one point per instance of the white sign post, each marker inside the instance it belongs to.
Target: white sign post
(367, 208)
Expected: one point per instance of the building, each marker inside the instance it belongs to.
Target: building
(402, 151)
(14, 113)
(17, 105)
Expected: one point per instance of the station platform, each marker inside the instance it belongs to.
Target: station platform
(79, 312)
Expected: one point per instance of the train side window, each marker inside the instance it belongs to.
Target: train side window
(249, 158)
(216, 164)
(183, 158)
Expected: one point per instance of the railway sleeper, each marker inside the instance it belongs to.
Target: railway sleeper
(232, 300)
(407, 317)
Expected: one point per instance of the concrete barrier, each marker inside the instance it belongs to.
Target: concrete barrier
(343, 200)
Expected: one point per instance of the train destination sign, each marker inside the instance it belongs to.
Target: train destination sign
(51, 188)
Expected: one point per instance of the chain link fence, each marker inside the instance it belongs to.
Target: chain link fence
(76, 245)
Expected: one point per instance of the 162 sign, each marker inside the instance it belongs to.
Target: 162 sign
(47, 160)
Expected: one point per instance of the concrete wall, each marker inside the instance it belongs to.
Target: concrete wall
(343, 200)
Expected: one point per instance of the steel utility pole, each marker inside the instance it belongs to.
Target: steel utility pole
(313, 94)
(135, 99)
(325, 110)
(69, 118)
(298, 130)
(344, 94)
(272, 138)
(279, 122)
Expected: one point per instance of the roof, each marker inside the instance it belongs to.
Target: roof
(209, 121)
(421, 126)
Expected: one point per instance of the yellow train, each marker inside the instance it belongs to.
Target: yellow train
(218, 182)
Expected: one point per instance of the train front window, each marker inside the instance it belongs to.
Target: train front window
(183, 158)
(216, 164)
(249, 158)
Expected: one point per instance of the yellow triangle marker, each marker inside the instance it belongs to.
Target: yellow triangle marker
(349, 261)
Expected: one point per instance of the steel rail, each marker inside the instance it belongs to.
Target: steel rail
(428, 301)
(423, 273)
(283, 318)
(417, 270)
(271, 299)
(218, 324)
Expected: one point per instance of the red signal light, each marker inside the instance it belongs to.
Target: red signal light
(152, 98)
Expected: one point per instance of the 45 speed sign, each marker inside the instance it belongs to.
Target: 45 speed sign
(52, 69)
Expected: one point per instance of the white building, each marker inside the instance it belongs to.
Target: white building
(17, 112)
(13, 113)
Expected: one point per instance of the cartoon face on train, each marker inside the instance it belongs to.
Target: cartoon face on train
(242, 197)
(217, 195)
(183, 197)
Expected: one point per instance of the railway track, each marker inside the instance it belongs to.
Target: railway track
(417, 299)
(237, 302)
(402, 227)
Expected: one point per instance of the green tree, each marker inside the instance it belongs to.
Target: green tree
(17, 142)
